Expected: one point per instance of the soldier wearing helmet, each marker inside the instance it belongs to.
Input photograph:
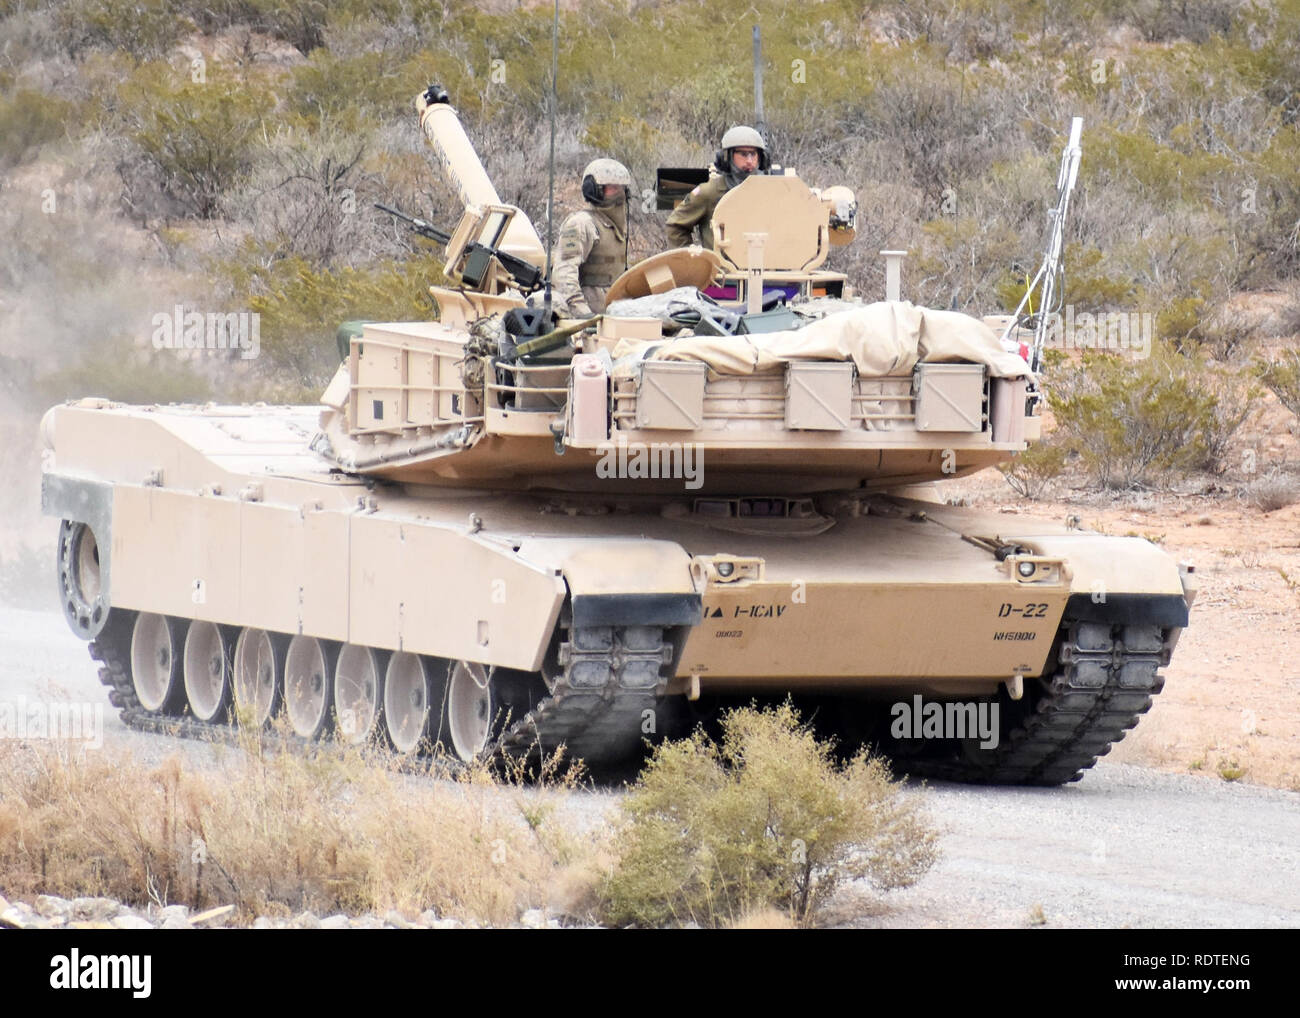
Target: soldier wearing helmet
(742, 152)
(591, 251)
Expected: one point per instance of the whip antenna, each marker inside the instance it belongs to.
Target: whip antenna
(1049, 281)
(550, 190)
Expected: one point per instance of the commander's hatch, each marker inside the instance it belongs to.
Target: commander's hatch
(681, 266)
(772, 224)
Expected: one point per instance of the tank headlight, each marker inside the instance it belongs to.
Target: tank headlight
(1025, 569)
(725, 569)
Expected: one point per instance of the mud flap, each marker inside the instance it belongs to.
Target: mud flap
(637, 610)
(1167, 610)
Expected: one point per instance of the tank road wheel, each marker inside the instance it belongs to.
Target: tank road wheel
(156, 663)
(81, 581)
(307, 684)
(259, 670)
(207, 671)
(406, 701)
(469, 709)
(357, 693)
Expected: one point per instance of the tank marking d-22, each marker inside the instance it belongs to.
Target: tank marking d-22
(843, 630)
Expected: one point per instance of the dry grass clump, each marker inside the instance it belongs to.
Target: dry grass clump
(721, 834)
(273, 830)
(1271, 491)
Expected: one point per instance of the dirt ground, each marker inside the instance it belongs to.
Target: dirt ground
(1230, 709)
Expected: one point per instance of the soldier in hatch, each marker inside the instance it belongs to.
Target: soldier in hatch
(743, 152)
(591, 251)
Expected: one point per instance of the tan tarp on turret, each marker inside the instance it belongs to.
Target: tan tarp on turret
(886, 338)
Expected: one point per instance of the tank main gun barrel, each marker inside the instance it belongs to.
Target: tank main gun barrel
(463, 170)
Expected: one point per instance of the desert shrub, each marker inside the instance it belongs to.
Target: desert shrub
(962, 260)
(1159, 21)
(144, 28)
(1236, 398)
(1286, 322)
(29, 118)
(328, 88)
(1272, 491)
(197, 138)
(763, 819)
(1281, 374)
(1092, 280)
(945, 121)
(307, 195)
(1133, 422)
(301, 306)
(1030, 473)
(301, 23)
(1180, 322)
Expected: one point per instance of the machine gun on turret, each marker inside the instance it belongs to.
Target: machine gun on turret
(475, 258)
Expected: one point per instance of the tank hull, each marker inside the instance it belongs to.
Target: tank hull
(220, 516)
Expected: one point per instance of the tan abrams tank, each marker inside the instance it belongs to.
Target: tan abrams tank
(500, 537)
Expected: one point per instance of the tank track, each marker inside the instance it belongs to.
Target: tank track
(610, 678)
(1105, 680)
(112, 649)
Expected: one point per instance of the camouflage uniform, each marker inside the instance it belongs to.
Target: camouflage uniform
(696, 209)
(590, 253)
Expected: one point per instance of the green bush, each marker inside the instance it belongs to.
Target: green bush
(765, 819)
(1135, 422)
(27, 119)
(197, 137)
(345, 91)
(301, 23)
(1236, 399)
(144, 28)
(1282, 375)
(1030, 473)
(301, 307)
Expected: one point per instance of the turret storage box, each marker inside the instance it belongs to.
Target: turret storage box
(819, 396)
(671, 395)
(950, 397)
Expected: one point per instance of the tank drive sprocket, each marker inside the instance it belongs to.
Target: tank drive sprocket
(1104, 680)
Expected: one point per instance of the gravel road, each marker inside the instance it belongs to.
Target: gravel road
(1125, 847)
